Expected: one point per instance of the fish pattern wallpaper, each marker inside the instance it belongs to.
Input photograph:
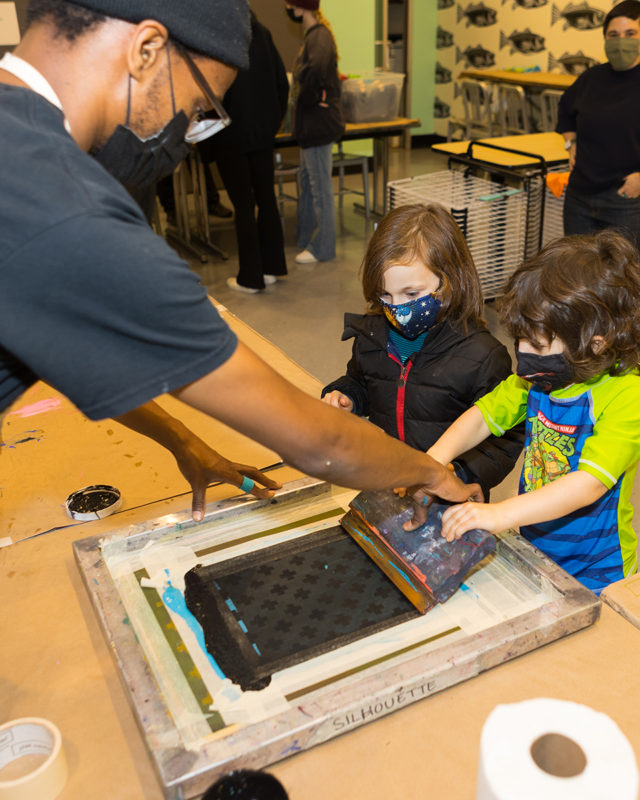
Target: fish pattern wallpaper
(553, 35)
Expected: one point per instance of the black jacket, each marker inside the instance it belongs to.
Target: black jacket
(318, 118)
(256, 101)
(417, 403)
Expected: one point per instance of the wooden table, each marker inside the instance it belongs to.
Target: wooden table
(380, 132)
(55, 663)
(51, 449)
(528, 80)
(548, 145)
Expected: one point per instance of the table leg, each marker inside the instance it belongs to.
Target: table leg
(384, 145)
(380, 169)
(200, 245)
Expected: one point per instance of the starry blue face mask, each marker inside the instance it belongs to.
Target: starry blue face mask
(412, 318)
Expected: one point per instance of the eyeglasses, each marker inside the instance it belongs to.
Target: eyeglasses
(205, 123)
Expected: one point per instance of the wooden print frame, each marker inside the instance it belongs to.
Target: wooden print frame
(514, 603)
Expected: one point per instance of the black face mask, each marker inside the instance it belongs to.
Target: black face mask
(545, 372)
(140, 163)
(292, 16)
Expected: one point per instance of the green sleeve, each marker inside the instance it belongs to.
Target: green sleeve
(614, 445)
(505, 406)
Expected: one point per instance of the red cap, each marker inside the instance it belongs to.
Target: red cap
(310, 5)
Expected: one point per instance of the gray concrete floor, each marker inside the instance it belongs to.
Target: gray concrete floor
(303, 314)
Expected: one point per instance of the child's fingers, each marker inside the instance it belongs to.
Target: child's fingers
(457, 520)
(338, 400)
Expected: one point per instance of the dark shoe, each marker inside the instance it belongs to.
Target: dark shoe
(218, 210)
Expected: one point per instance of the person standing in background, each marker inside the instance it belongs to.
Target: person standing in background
(599, 117)
(318, 123)
(256, 103)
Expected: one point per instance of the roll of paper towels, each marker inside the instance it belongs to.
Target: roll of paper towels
(547, 749)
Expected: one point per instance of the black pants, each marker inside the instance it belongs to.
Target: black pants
(248, 179)
(594, 211)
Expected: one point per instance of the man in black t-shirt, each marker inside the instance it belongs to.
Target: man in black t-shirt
(96, 304)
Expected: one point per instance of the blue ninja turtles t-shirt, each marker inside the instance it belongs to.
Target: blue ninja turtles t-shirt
(592, 426)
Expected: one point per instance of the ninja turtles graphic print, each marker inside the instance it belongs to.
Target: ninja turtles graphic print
(591, 427)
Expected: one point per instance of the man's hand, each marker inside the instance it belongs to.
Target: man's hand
(448, 487)
(631, 186)
(199, 463)
(201, 466)
(339, 400)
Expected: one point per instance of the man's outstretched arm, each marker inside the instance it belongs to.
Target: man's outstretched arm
(249, 396)
(199, 463)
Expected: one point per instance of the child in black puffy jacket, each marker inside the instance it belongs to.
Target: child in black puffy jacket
(422, 353)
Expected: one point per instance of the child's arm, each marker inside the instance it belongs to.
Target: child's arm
(557, 499)
(466, 432)
(349, 392)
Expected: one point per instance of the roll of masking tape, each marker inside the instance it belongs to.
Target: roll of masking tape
(556, 750)
(31, 736)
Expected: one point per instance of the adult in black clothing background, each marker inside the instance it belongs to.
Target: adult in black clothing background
(599, 117)
(256, 103)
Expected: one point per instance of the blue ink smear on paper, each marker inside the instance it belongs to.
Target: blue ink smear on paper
(174, 599)
(466, 588)
(231, 605)
(36, 438)
(243, 626)
(256, 648)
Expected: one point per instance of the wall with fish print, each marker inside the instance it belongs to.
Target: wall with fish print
(550, 34)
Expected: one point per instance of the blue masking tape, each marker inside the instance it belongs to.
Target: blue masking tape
(246, 485)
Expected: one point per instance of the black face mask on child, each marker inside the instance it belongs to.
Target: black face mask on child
(545, 372)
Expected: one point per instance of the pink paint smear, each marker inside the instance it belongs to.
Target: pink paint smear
(51, 404)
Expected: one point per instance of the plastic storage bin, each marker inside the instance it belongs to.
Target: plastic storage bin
(372, 96)
(491, 216)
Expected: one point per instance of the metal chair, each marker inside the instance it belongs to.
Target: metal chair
(340, 161)
(549, 101)
(477, 100)
(512, 109)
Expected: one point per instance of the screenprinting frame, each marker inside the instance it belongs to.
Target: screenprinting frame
(197, 725)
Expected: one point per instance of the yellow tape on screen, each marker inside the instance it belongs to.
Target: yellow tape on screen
(31, 736)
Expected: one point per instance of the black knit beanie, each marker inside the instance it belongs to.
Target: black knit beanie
(217, 28)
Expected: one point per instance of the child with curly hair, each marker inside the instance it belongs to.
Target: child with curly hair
(574, 312)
